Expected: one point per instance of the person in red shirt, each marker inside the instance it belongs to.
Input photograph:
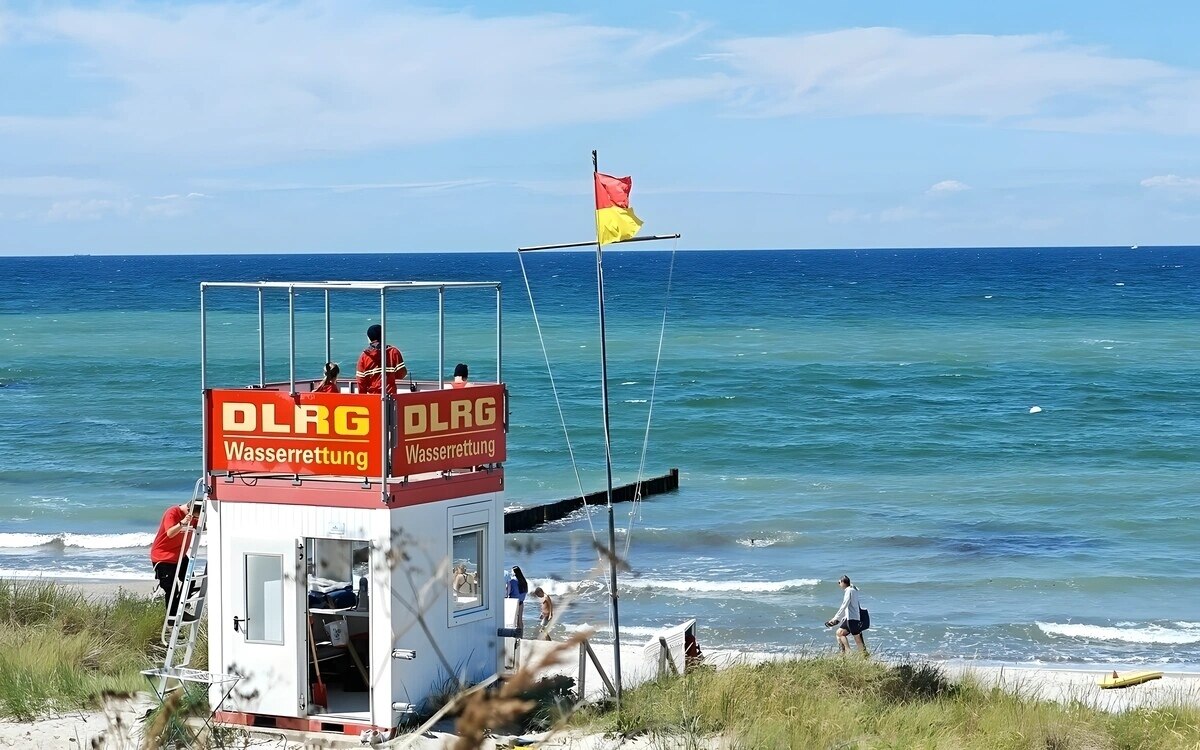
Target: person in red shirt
(329, 383)
(370, 371)
(167, 552)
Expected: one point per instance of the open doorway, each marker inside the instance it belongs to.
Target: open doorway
(339, 627)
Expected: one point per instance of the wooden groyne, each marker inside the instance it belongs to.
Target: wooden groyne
(528, 519)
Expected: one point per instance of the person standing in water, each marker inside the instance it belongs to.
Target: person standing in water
(522, 590)
(546, 615)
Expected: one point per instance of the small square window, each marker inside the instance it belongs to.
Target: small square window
(467, 579)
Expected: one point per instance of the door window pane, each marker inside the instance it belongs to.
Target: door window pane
(466, 574)
(264, 598)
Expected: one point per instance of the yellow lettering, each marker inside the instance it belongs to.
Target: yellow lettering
(237, 417)
(268, 420)
(414, 419)
(485, 412)
(460, 415)
(434, 424)
(352, 420)
(313, 415)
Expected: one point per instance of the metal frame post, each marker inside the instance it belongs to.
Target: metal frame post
(498, 337)
(204, 427)
(262, 343)
(292, 340)
(441, 337)
(612, 530)
(328, 350)
(383, 401)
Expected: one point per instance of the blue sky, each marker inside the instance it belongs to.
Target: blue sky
(380, 127)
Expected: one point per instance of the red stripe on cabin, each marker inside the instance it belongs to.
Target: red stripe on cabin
(350, 494)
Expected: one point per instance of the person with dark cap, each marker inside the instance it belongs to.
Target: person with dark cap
(371, 367)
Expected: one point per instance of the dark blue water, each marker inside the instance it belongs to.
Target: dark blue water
(837, 412)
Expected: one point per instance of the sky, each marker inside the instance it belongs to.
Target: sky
(323, 126)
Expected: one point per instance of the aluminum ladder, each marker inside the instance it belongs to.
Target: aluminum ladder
(181, 630)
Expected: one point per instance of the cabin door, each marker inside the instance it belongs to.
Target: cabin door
(264, 633)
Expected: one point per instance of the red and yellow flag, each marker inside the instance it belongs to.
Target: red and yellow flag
(615, 220)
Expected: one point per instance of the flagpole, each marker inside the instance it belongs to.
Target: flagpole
(612, 529)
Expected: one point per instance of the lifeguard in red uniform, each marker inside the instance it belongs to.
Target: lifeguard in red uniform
(168, 548)
(370, 371)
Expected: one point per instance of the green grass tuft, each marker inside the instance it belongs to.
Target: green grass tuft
(855, 705)
(61, 650)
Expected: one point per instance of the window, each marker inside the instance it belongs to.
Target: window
(264, 598)
(467, 577)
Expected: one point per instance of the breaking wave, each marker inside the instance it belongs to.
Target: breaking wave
(1138, 634)
(81, 541)
(752, 587)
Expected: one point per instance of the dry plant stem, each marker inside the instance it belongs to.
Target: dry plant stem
(482, 710)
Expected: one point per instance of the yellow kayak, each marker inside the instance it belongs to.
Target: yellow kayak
(1115, 680)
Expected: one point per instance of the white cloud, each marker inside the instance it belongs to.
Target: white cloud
(948, 186)
(1026, 80)
(172, 204)
(1171, 182)
(251, 83)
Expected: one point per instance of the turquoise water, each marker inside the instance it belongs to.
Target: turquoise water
(864, 412)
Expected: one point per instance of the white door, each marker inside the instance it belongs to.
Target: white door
(264, 632)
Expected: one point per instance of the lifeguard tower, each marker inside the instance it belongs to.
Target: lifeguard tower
(354, 540)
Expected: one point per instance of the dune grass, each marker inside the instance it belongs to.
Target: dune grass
(854, 705)
(61, 650)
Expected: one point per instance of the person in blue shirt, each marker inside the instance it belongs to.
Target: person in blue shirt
(518, 588)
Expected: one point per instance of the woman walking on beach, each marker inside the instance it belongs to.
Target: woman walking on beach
(848, 618)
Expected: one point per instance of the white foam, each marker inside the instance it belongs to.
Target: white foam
(759, 587)
(89, 575)
(22, 540)
(559, 588)
(757, 542)
(635, 631)
(19, 541)
(1140, 634)
(635, 400)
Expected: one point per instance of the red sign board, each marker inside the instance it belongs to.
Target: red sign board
(338, 434)
(451, 429)
(326, 434)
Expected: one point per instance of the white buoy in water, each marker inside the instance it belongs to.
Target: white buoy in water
(1035, 409)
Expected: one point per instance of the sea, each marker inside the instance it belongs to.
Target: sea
(1001, 447)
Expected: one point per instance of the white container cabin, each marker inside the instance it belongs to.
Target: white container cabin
(358, 534)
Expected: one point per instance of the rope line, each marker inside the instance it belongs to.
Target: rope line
(549, 371)
(637, 494)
